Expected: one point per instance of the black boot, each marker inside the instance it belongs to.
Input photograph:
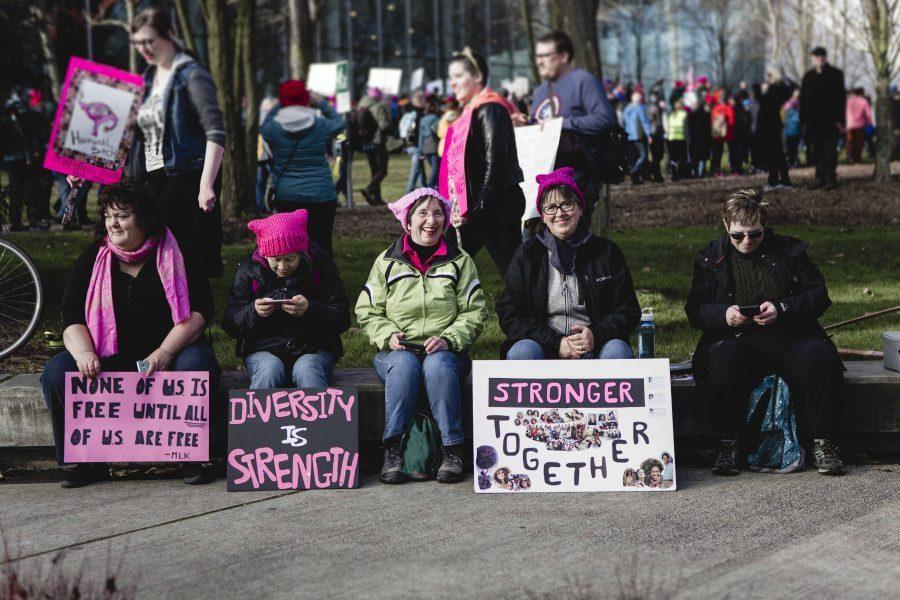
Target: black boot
(85, 474)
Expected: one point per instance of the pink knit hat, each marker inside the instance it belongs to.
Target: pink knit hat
(401, 207)
(281, 233)
(563, 176)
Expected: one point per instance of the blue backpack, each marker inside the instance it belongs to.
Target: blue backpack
(779, 450)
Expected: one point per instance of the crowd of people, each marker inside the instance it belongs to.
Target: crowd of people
(140, 293)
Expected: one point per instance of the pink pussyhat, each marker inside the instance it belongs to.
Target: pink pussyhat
(401, 207)
(562, 176)
(282, 233)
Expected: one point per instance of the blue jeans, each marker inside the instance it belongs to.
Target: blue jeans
(434, 161)
(416, 169)
(402, 372)
(198, 356)
(639, 155)
(267, 371)
(531, 350)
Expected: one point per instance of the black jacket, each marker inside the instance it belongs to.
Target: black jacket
(282, 334)
(492, 164)
(700, 125)
(823, 98)
(713, 288)
(768, 122)
(604, 281)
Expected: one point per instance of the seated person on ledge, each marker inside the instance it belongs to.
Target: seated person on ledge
(287, 307)
(134, 294)
(568, 293)
(752, 266)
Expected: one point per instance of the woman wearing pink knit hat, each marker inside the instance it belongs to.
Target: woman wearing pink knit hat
(287, 308)
(422, 308)
(568, 293)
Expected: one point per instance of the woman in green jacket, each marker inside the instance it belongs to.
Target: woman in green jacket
(422, 307)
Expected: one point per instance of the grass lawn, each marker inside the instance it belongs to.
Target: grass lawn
(660, 260)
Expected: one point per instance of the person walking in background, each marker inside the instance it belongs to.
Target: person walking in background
(450, 112)
(637, 125)
(373, 125)
(263, 159)
(656, 110)
(677, 138)
(428, 141)
(298, 140)
(792, 129)
(769, 129)
(24, 130)
(700, 126)
(822, 113)
(409, 133)
(579, 98)
(858, 118)
(723, 132)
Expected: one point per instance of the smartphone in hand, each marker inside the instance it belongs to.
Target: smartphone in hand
(284, 301)
(413, 346)
(749, 311)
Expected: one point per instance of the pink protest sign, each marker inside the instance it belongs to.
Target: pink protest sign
(95, 122)
(129, 417)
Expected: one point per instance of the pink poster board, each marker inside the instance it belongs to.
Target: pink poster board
(95, 120)
(129, 417)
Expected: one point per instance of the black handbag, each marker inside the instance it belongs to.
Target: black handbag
(272, 184)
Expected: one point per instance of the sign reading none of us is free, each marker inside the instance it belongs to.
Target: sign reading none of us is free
(572, 426)
(132, 417)
(288, 439)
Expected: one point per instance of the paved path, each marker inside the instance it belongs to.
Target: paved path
(753, 536)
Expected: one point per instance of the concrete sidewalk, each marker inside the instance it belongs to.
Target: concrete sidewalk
(753, 536)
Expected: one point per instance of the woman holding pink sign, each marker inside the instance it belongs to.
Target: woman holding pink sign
(134, 299)
(180, 138)
(480, 171)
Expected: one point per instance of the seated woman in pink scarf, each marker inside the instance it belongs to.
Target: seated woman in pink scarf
(134, 295)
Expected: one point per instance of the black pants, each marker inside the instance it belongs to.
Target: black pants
(500, 232)
(320, 225)
(176, 197)
(811, 368)
(735, 159)
(793, 145)
(773, 153)
(823, 140)
(657, 152)
(678, 160)
(378, 165)
(29, 187)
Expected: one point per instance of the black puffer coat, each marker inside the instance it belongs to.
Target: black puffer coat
(282, 334)
(713, 288)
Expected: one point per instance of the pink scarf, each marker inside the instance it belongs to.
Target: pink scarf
(453, 164)
(98, 310)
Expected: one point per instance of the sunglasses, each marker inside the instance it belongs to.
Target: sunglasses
(739, 236)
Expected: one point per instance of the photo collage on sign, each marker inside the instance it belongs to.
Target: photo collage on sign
(651, 473)
(571, 430)
(486, 459)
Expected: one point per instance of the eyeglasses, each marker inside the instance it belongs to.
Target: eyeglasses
(550, 209)
(544, 55)
(738, 236)
(144, 43)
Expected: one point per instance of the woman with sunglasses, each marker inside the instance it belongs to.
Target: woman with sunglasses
(568, 293)
(757, 298)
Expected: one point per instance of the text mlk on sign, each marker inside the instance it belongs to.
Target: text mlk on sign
(568, 426)
(130, 417)
(287, 439)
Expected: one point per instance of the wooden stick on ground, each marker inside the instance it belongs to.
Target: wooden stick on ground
(865, 317)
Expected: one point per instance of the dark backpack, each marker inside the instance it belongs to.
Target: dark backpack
(771, 417)
(364, 126)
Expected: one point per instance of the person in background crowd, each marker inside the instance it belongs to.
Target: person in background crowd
(568, 293)
(792, 129)
(754, 146)
(422, 331)
(428, 141)
(481, 154)
(769, 129)
(263, 158)
(859, 117)
(287, 308)
(373, 128)
(700, 125)
(180, 138)
(637, 124)
(822, 113)
(677, 138)
(722, 129)
(450, 112)
(25, 127)
(739, 150)
(409, 133)
(656, 110)
(297, 133)
(895, 122)
(136, 294)
(752, 266)
(580, 99)
(77, 212)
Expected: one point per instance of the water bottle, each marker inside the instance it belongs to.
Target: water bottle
(646, 335)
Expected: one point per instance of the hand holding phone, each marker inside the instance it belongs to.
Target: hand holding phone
(412, 346)
(750, 311)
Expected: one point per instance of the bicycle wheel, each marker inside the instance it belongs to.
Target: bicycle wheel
(21, 298)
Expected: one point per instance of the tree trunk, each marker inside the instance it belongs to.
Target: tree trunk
(881, 39)
(47, 49)
(184, 25)
(578, 18)
(132, 51)
(673, 43)
(529, 38)
(295, 27)
(247, 11)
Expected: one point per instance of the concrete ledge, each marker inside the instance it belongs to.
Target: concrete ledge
(872, 405)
